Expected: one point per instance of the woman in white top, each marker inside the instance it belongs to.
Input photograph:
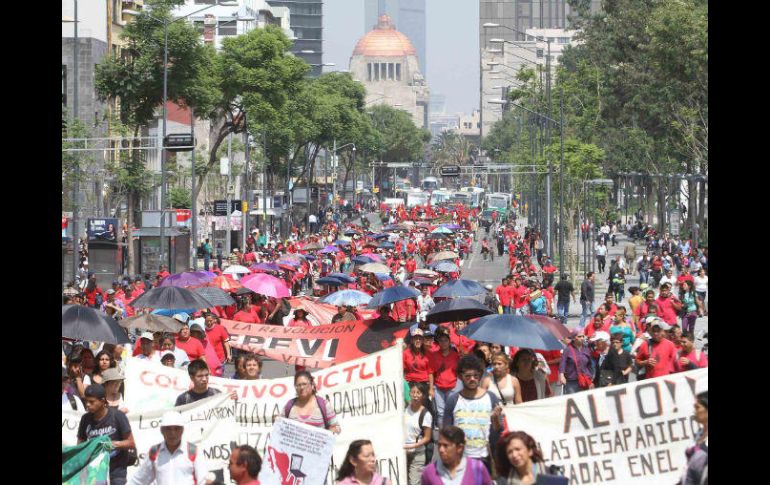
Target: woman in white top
(501, 383)
(702, 286)
(418, 431)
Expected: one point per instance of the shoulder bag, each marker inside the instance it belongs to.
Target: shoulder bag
(584, 380)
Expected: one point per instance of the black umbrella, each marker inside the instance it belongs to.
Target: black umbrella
(456, 310)
(152, 322)
(83, 323)
(243, 291)
(458, 288)
(512, 330)
(216, 296)
(171, 298)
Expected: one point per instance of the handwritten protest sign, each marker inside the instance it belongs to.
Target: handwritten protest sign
(297, 453)
(629, 434)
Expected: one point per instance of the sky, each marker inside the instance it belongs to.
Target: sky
(452, 46)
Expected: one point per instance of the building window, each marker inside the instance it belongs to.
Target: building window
(229, 27)
(539, 53)
(198, 24)
(64, 85)
(376, 71)
(478, 125)
(391, 74)
(383, 71)
(398, 72)
(563, 40)
(369, 71)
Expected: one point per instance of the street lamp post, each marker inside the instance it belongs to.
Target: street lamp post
(166, 23)
(335, 166)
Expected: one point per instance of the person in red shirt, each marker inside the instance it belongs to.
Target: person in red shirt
(641, 311)
(688, 357)
(520, 296)
(191, 346)
(668, 305)
(163, 272)
(598, 324)
(442, 372)
(658, 354)
(218, 338)
(246, 314)
(411, 264)
(92, 289)
(415, 359)
(685, 276)
(504, 294)
(609, 299)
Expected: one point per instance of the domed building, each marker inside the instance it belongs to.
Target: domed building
(385, 61)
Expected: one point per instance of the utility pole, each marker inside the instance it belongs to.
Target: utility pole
(334, 173)
(245, 202)
(194, 210)
(163, 149)
(76, 181)
(562, 224)
(264, 184)
(228, 226)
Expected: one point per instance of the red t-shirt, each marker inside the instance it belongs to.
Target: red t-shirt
(193, 347)
(666, 310)
(664, 352)
(444, 369)
(217, 336)
(246, 317)
(411, 264)
(520, 295)
(591, 329)
(552, 355)
(682, 278)
(415, 366)
(505, 295)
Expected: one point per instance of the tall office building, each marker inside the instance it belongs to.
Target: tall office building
(306, 21)
(525, 14)
(409, 18)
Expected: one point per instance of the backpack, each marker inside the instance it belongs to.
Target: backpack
(191, 455)
(429, 445)
(321, 405)
(71, 398)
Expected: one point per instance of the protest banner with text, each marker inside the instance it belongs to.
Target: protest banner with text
(628, 434)
(367, 394)
(316, 347)
(297, 453)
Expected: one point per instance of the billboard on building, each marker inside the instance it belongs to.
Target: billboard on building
(103, 230)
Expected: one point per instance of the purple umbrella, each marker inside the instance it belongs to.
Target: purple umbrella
(296, 264)
(189, 278)
(265, 267)
(451, 226)
(329, 249)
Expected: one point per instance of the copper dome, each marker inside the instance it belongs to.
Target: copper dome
(384, 41)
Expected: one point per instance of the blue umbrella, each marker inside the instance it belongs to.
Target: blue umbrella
(170, 313)
(453, 227)
(445, 267)
(340, 242)
(394, 294)
(378, 236)
(457, 288)
(346, 298)
(387, 245)
(456, 310)
(328, 280)
(329, 249)
(512, 330)
(343, 277)
(362, 260)
(391, 227)
(350, 232)
(382, 276)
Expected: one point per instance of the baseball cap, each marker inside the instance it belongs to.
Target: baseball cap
(112, 374)
(489, 287)
(96, 390)
(601, 335)
(195, 325)
(110, 291)
(660, 323)
(182, 317)
(644, 286)
(166, 353)
(171, 418)
(417, 332)
(147, 335)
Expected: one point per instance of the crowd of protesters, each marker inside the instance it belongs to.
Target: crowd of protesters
(449, 376)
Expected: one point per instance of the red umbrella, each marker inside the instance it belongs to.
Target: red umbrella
(225, 282)
(558, 329)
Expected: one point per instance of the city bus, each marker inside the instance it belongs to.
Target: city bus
(416, 197)
(477, 195)
(429, 184)
(440, 196)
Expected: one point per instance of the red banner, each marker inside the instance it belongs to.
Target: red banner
(316, 347)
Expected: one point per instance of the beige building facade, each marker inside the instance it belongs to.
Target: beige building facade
(386, 63)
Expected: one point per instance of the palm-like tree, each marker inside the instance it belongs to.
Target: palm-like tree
(450, 149)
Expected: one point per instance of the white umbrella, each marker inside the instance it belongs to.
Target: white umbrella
(237, 269)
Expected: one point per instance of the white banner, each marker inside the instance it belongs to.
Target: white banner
(297, 453)
(630, 434)
(367, 394)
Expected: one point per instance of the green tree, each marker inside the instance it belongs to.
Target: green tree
(135, 80)
(402, 140)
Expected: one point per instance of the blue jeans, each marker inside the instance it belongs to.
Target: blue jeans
(562, 310)
(588, 311)
(440, 397)
(644, 276)
(506, 310)
(206, 261)
(571, 387)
